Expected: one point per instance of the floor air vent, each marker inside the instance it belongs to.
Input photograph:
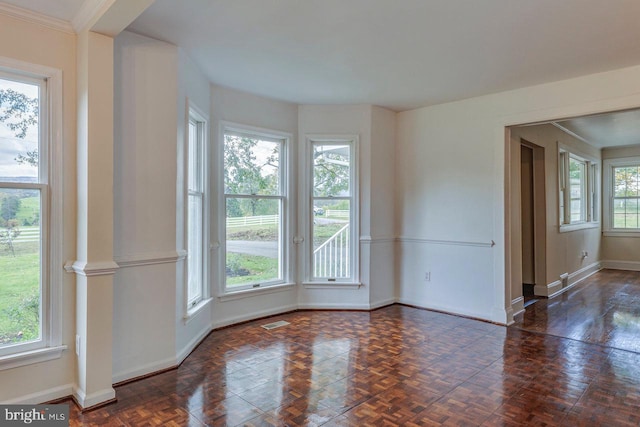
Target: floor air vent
(274, 325)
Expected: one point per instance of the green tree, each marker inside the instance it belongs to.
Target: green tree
(330, 170)
(19, 113)
(9, 207)
(246, 173)
(9, 235)
(627, 181)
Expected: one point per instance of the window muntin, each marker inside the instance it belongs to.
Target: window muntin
(24, 192)
(578, 196)
(332, 246)
(196, 210)
(254, 200)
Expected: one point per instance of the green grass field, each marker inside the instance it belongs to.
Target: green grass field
(19, 293)
(29, 209)
(260, 269)
(243, 268)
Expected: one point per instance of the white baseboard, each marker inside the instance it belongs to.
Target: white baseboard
(192, 345)
(517, 306)
(93, 399)
(252, 316)
(449, 310)
(621, 265)
(382, 303)
(42, 396)
(549, 289)
(144, 370)
(578, 276)
(334, 306)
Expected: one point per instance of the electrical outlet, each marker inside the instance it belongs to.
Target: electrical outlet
(427, 276)
(78, 345)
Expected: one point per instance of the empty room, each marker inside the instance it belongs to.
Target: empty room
(301, 212)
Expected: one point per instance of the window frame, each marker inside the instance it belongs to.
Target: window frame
(609, 196)
(195, 115)
(50, 185)
(309, 281)
(285, 197)
(590, 190)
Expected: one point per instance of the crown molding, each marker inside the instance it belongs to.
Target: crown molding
(36, 18)
(88, 12)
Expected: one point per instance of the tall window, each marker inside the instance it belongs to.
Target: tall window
(255, 193)
(578, 190)
(29, 289)
(333, 207)
(622, 191)
(196, 207)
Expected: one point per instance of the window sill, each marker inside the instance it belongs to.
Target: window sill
(332, 285)
(193, 311)
(581, 226)
(30, 357)
(248, 293)
(621, 233)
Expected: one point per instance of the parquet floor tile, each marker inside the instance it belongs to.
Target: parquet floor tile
(570, 361)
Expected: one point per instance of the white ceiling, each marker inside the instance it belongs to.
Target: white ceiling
(398, 54)
(607, 130)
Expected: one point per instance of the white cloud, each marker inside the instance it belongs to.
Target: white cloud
(10, 146)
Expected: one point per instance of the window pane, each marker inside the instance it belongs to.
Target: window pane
(20, 280)
(562, 181)
(19, 109)
(331, 239)
(626, 181)
(595, 202)
(331, 170)
(195, 250)
(251, 166)
(253, 241)
(195, 154)
(577, 190)
(625, 213)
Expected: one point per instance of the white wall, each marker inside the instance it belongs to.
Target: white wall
(446, 207)
(146, 112)
(193, 88)
(451, 178)
(381, 201)
(37, 44)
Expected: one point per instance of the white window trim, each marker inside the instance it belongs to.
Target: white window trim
(307, 212)
(51, 148)
(608, 196)
(192, 111)
(592, 204)
(287, 218)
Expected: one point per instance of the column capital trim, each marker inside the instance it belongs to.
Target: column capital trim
(89, 269)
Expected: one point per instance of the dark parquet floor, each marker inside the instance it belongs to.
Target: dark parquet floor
(604, 309)
(401, 366)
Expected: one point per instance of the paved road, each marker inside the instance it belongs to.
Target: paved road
(265, 249)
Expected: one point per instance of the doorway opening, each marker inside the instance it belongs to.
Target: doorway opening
(532, 219)
(528, 217)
